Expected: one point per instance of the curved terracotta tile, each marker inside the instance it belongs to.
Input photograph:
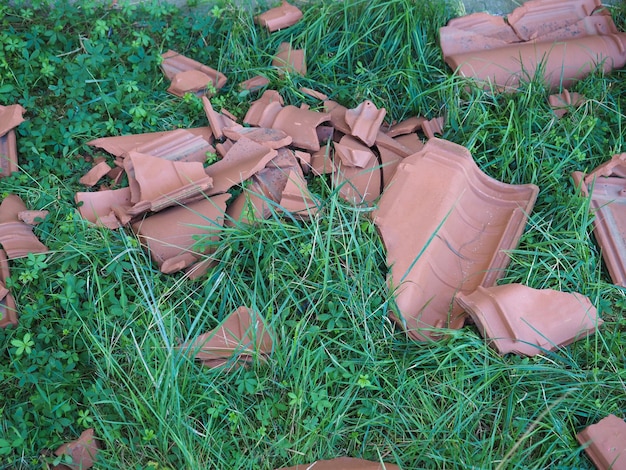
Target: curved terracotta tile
(353, 153)
(263, 111)
(314, 93)
(357, 185)
(432, 127)
(255, 83)
(189, 81)
(32, 217)
(83, 452)
(8, 308)
(454, 240)
(605, 443)
(270, 138)
(10, 117)
(8, 154)
(518, 319)
(394, 145)
(322, 162)
(97, 207)
(174, 63)
(16, 237)
(365, 121)
(300, 124)
(243, 335)
(217, 121)
(608, 202)
(589, 26)
(337, 114)
(561, 103)
(92, 177)
(475, 32)
(343, 463)
(289, 60)
(408, 126)
(280, 17)
(171, 233)
(296, 198)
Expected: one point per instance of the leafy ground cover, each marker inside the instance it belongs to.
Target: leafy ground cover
(99, 325)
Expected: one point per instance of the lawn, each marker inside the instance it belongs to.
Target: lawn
(99, 325)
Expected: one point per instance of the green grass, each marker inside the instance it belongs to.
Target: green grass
(105, 324)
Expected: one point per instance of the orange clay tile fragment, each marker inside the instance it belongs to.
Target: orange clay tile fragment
(352, 152)
(223, 147)
(410, 141)
(296, 197)
(606, 186)
(188, 75)
(605, 443)
(156, 183)
(255, 83)
(389, 164)
(10, 117)
(263, 111)
(314, 93)
(16, 237)
(432, 127)
(322, 162)
(454, 240)
(171, 234)
(92, 177)
(561, 103)
(217, 121)
(271, 138)
(518, 319)
(32, 217)
(343, 463)
(300, 124)
(83, 452)
(337, 114)
(279, 18)
(254, 202)
(244, 159)
(357, 183)
(290, 60)
(8, 308)
(394, 145)
(407, 126)
(474, 32)
(242, 337)
(98, 207)
(365, 121)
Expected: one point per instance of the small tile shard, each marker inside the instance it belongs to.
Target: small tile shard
(561, 103)
(8, 308)
(99, 207)
(365, 121)
(242, 338)
(290, 60)
(10, 118)
(83, 452)
(188, 75)
(94, 175)
(605, 443)
(343, 463)
(16, 237)
(296, 198)
(279, 18)
(301, 125)
(255, 83)
(518, 319)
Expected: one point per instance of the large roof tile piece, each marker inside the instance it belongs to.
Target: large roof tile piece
(83, 452)
(518, 319)
(365, 121)
(8, 308)
(474, 32)
(280, 17)
(263, 111)
(170, 234)
(243, 336)
(447, 228)
(606, 443)
(343, 463)
(296, 198)
(99, 207)
(188, 75)
(16, 237)
(606, 186)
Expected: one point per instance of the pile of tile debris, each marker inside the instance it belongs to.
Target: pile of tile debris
(445, 253)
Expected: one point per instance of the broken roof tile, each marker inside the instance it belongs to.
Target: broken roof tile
(407, 126)
(474, 32)
(322, 162)
(300, 124)
(174, 64)
(83, 452)
(453, 241)
(605, 443)
(8, 154)
(358, 184)
(296, 197)
(432, 127)
(343, 463)
(255, 83)
(337, 114)
(518, 319)
(172, 232)
(189, 81)
(97, 207)
(10, 117)
(217, 121)
(561, 103)
(290, 60)
(32, 217)
(314, 93)
(16, 237)
(92, 177)
(365, 121)
(8, 308)
(263, 111)
(352, 152)
(271, 138)
(279, 18)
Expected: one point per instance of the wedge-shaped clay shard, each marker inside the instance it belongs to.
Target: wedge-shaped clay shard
(83, 452)
(189, 81)
(8, 309)
(314, 93)
(518, 319)
(410, 141)
(605, 443)
(170, 233)
(407, 126)
(358, 184)
(608, 202)
(296, 197)
(16, 237)
(174, 63)
(290, 60)
(10, 117)
(32, 217)
(217, 121)
(537, 18)
(92, 177)
(395, 145)
(454, 240)
(343, 463)
(177, 145)
(353, 153)
(98, 207)
(300, 124)
(475, 32)
(365, 121)
(561, 103)
(389, 164)
(223, 148)
(432, 127)
(561, 63)
(255, 83)
(243, 160)
(242, 336)
(8, 154)
(322, 162)
(271, 138)
(337, 114)
(263, 111)
(280, 17)
(164, 183)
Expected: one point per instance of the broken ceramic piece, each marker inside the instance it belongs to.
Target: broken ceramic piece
(606, 186)
(365, 121)
(432, 127)
(605, 443)
(98, 171)
(300, 124)
(314, 93)
(518, 319)
(217, 121)
(343, 463)
(263, 111)
(98, 207)
(353, 153)
(170, 234)
(83, 452)
(337, 114)
(32, 217)
(8, 308)
(188, 75)
(243, 160)
(16, 237)
(8, 154)
(279, 18)
(242, 336)
(407, 126)
(454, 240)
(561, 103)
(296, 198)
(289, 60)
(255, 83)
(271, 138)
(10, 117)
